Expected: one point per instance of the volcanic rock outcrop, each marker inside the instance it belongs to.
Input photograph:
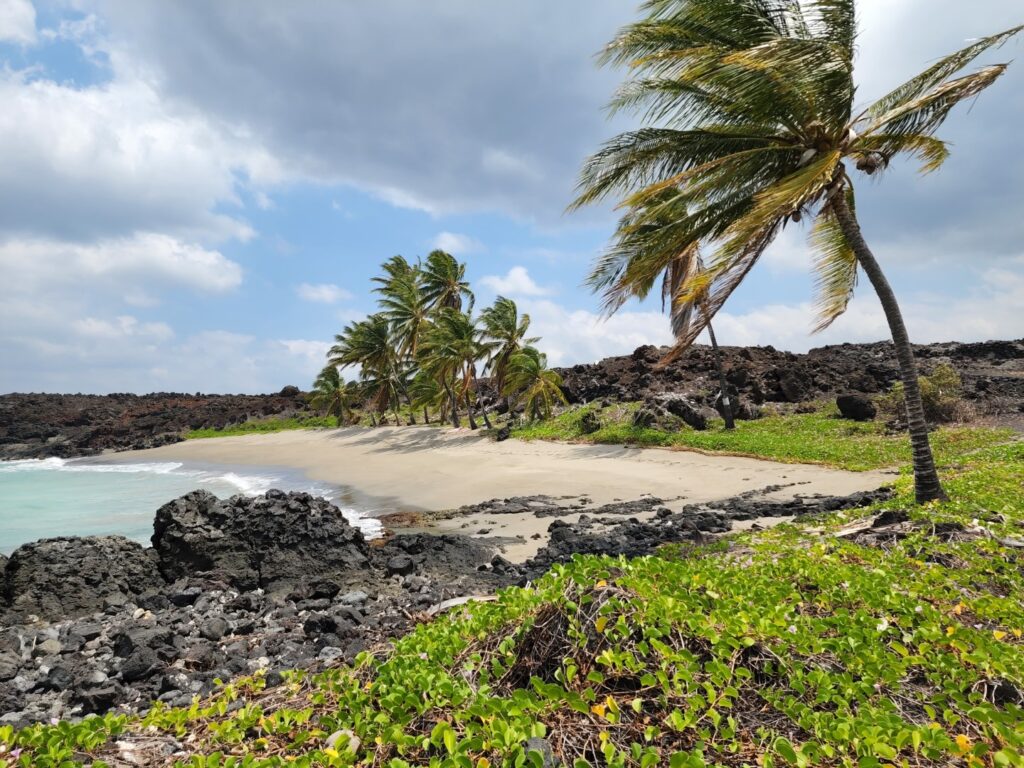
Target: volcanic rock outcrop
(272, 542)
(57, 578)
(992, 373)
(39, 426)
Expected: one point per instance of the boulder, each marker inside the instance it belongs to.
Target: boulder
(445, 557)
(289, 391)
(276, 542)
(10, 664)
(793, 387)
(589, 423)
(667, 409)
(856, 407)
(66, 577)
(742, 409)
(504, 433)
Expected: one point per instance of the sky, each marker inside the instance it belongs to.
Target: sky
(194, 196)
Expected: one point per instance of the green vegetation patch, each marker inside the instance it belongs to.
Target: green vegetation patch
(787, 647)
(260, 426)
(820, 437)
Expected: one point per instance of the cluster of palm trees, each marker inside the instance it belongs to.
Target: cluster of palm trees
(422, 351)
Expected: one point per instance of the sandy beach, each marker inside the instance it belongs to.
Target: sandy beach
(412, 469)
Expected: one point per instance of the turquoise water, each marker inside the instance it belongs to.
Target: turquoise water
(84, 497)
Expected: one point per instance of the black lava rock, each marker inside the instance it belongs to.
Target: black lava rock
(856, 407)
(276, 542)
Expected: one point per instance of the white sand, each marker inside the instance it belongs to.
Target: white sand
(424, 468)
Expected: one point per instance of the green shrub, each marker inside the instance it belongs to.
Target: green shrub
(940, 395)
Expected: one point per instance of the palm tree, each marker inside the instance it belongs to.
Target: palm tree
(405, 306)
(368, 344)
(444, 282)
(531, 381)
(396, 268)
(333, 395)
(427, 392)
(753, 102)
(450, 351)
(629, 270)
(506, 330)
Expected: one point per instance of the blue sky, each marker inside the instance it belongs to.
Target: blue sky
(195, 196)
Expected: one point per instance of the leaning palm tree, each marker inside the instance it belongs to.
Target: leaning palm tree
(368, 344)
(427, 392)
(530, 381)
(444, 282)
(396, 268)
(628, 270)
(450, 352)
(506, 330)
(404, 304)
(755, 127)
(333, 395)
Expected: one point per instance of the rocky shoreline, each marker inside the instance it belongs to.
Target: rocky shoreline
(39, 426)
(277, 582)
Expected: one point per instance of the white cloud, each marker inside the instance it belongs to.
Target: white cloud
(457, 244)
(306, 348)
(579, 336)
(990, 311)
(323, 293)
(17, 22)
(147, 258)
(127, 355)
(121, 327)
(517, 282)
(118, 158)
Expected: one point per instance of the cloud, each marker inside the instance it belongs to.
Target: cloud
(17, 22)
(457, 244)
(121, 327)
(578, 336)
(497, 118)
(517, 282)
(990, 311)
(65, 324)
(502, 115)
(153, 259)
(323, 293)
(308, 349)
(118, 158)
(127, 355)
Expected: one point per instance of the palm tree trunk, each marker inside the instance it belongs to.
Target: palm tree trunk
(926, 479)
(483, 410)
(726, 400)
(454, 406)
(426, 415)
(408, 401)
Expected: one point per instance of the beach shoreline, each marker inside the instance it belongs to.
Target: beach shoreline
(402, 473)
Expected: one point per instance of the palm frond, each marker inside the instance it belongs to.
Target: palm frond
(835, 266)
(938, 72)
(923, 114)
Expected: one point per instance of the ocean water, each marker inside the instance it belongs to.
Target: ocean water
(42, 498)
